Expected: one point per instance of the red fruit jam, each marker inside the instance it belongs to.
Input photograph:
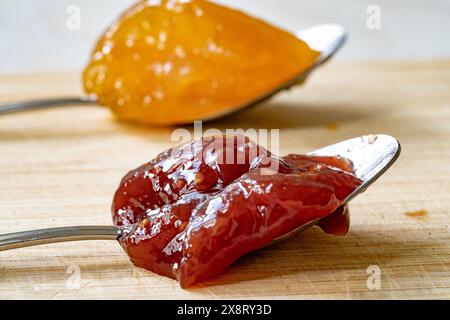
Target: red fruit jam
(198, 207)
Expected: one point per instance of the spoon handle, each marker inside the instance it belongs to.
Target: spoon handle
(45, 103)
(52, 235)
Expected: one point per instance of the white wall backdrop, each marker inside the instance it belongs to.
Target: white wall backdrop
(34, 36)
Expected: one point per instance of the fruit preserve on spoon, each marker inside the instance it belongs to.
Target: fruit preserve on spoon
(167, 62)
(198, 207)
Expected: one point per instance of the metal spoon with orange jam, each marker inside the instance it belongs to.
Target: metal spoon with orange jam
(170, 62)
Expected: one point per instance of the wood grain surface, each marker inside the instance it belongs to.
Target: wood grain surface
(60, 167)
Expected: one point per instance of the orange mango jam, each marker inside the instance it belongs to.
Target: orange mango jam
(170, 62)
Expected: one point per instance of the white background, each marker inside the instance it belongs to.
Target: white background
(34, 36)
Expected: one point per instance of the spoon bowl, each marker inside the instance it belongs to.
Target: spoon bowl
(371, 156)
(326, 39)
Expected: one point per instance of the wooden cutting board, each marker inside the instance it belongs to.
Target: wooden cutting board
(60, 167)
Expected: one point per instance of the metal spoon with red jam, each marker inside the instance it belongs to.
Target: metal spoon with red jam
(196, 208)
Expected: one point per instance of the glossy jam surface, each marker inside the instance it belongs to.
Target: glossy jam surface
(166, 62)
(195, 209)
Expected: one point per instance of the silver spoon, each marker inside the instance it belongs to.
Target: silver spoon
(371, 155)
(327, 39)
